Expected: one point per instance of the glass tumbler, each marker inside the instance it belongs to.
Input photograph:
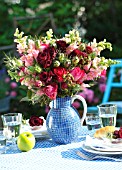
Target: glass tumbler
(12, 123)
(107, 113)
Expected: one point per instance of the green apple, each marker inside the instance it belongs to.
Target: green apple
(26, 141)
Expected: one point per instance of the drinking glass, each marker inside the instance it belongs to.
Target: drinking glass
(93, 121)
(107, 113)
(2, 142)
(12, 123)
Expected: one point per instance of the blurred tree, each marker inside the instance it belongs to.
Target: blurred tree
(93, 18)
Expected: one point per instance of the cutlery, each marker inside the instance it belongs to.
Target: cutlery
(83, 156)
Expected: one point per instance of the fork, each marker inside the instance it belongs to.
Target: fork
(83, 156)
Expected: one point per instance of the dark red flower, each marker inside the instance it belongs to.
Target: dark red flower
(59, 72)
(76, 52)
(61, 45)
(120, 133)
(22, 68)
(89, 49)
(52, 52)
(64, 85)
(35, 121)
(45, 58)
(45, 76)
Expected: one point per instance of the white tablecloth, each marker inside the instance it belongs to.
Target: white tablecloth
(48, 155)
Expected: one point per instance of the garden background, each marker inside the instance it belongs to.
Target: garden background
(92, 18)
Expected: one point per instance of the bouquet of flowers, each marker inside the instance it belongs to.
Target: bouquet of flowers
(53, 67)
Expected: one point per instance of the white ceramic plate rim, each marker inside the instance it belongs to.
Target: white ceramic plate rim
(88, 149)
(39, 133)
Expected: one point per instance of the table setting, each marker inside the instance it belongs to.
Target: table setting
(85, 153)
(54, 72)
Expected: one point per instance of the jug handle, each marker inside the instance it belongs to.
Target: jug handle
(84, 105)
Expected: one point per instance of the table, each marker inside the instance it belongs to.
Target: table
(48, 155)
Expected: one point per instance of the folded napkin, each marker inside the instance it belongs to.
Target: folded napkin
(102, 144)
(37, 131)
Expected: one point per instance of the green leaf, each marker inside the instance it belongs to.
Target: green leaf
(29, 94)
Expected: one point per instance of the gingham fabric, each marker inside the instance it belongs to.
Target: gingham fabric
(63, 123)
(48, 155)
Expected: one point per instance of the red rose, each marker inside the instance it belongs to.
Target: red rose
(120, 133)
(76, 52)
(52, 52)
(84, 56)
(89, 49)
(61, 45)
(59, 72)
(35, 121)
(51, 91)
(64, 85)
(77, 73)
(45, 58)
(45, 77)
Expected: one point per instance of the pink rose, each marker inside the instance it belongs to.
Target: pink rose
(59, 72)
(77, 73)
(51, 91)
(38, 83)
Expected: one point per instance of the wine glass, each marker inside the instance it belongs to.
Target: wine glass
(12, 123)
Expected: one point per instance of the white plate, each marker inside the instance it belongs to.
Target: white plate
(89, 149)
(39, 133)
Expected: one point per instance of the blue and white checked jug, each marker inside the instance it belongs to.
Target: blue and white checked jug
(63, 121)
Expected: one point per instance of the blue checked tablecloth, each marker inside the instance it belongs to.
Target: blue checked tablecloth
(48, 155)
